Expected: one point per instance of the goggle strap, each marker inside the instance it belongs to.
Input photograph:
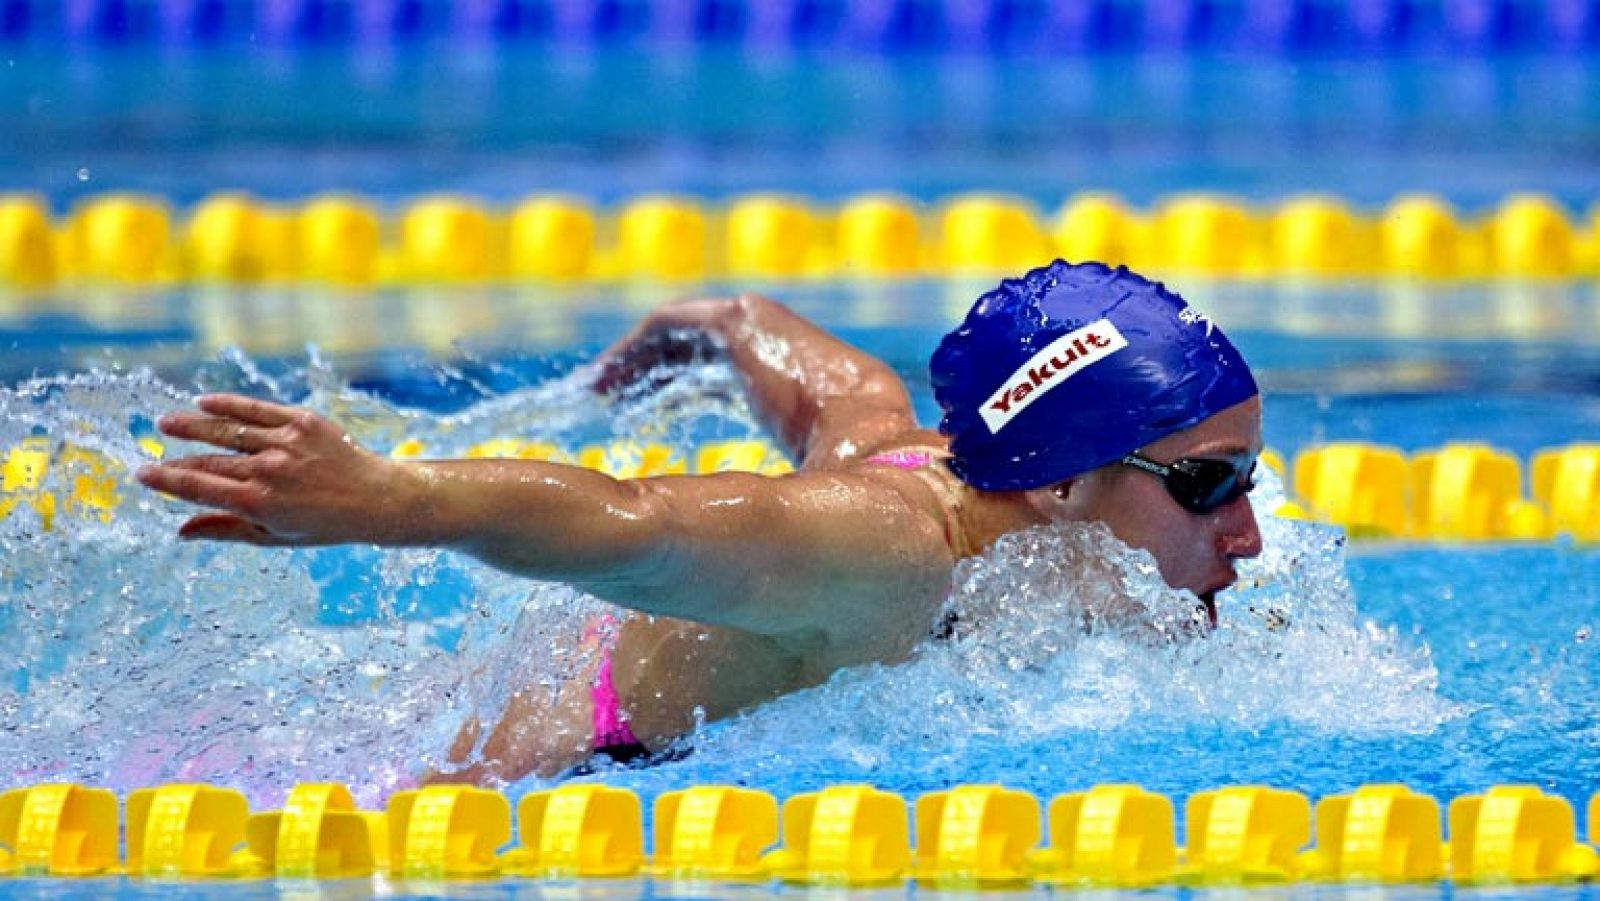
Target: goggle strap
(1150, 466)
(1197, 500)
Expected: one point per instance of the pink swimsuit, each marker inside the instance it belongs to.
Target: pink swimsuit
(611, 729)
(902, 459)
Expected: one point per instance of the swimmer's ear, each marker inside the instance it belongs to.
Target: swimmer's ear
(1075, 499)
(1056, 501)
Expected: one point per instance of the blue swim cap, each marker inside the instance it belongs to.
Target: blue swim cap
(1072, 366)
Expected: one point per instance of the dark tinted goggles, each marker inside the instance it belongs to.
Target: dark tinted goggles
(1199, 484)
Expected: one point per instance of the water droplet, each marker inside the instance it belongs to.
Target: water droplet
(83, 174)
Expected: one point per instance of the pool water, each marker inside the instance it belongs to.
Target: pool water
(133, 659)
(608, 122)
(128, 659)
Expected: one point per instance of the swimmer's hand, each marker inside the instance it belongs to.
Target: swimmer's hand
(675, 335)
(291, 477)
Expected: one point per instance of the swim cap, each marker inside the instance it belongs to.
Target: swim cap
(1073, 366)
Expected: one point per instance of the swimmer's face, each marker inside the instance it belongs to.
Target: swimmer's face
(1194, 551)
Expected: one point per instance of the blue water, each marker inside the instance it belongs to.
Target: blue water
(1536, 395)
(127, 659)
(608, 122)
(1448, 668)
(1368, 362)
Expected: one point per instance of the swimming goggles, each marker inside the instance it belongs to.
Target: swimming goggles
(1198, 484)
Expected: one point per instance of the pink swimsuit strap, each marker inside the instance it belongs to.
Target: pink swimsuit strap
(902, 459)
(610, 726)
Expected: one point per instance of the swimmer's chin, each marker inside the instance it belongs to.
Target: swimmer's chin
(1208, 597)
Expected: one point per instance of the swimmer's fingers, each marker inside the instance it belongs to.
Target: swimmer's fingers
(226, 527)
(623, 365)
(248, 410)
(624, 361)
(250, 426)
(191, 482)
(626, 366)
(674, 335)
(229, 466)
(232, 421)
(217, 431)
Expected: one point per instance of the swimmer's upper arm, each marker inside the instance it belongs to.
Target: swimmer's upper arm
(817, 560)
(841, 559)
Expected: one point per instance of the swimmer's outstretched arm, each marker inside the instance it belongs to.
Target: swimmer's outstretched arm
(821, 561)
(826, 400)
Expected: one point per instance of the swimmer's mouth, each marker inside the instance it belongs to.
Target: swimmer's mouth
(1209, 597)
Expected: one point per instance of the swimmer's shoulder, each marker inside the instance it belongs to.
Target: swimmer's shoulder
(918, 464)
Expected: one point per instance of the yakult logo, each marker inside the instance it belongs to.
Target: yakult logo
(1065, 357)
(1192, 316)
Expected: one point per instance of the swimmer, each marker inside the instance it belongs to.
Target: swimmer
(1077, 393)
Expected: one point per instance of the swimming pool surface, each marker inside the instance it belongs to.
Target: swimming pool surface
(607, 122)
(128, 659)
(1447, 668)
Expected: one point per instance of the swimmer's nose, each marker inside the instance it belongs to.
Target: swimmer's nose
(1240, 535)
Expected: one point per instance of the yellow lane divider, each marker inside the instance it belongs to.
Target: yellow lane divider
(580, 832)
(319, 834)
(964, 838)
(976, 837)
(185, 831)
(713, 832)
(844, 835)
(58, 830)
(1110, 835)
(1464, 491)
(341, 239)
(1243, 834)
(447, 832)
(1379, 833)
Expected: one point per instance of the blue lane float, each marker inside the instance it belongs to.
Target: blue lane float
(1090, 27)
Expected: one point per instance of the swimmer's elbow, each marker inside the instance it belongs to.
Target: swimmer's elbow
(752, 306)
(649, 557)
